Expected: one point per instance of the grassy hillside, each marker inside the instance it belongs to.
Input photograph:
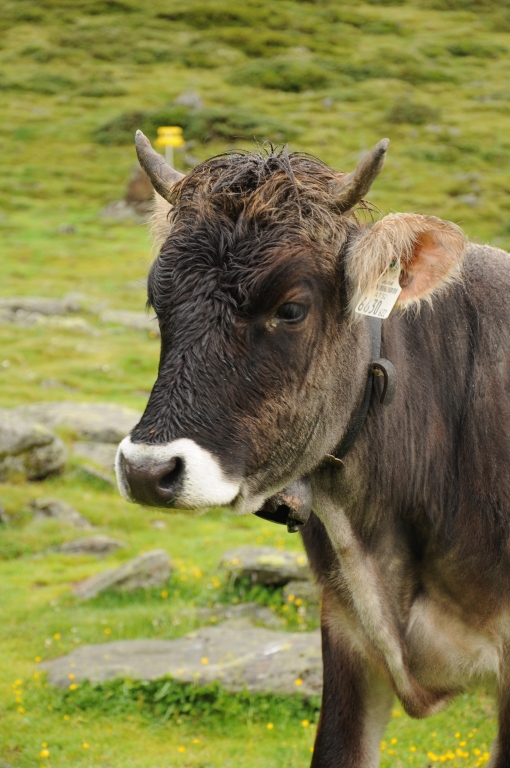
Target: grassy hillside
(76, 79)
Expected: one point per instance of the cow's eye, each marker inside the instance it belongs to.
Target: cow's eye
(292, 313)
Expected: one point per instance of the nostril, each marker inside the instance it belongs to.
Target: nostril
(169, 480)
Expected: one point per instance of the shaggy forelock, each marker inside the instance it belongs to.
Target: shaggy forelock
(241, 215)
(267, 187)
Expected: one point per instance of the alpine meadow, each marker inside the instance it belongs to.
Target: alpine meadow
(77, 79)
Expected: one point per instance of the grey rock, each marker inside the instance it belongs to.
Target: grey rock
(97, 474)
(42, 306)
(92, 545)
(56, 384)
(120, 210)
(434, 128)
(59, 510)
(266, 565)
(189, 99)
(100, 422)
(305, 591)
(18, 435)
(28, 448)
(260, 660)
(257, 614)
(29, 319)
(472, 177)
(100, 453)
(66, 229)
(137, 321)
(470, 199)
(151, 569)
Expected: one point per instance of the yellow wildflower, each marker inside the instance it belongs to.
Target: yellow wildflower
(270, 726)
(298, 681)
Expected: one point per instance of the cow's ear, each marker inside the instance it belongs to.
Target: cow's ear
(429, 252)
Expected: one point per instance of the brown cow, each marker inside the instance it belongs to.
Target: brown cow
(263, 368)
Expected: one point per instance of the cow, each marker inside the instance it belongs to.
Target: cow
(264, 259)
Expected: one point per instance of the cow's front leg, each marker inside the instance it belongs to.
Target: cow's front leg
(356, 700)
(500, 753)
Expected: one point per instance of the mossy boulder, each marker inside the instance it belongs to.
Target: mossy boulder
(265, 565)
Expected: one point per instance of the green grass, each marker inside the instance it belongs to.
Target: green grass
(76, 79)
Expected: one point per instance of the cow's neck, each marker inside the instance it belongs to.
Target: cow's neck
(374, 486)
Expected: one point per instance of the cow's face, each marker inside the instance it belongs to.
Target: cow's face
(261, 363)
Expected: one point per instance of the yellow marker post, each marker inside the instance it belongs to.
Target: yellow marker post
(170, 136)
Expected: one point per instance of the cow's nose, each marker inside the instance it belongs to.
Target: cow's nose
(176, 475)
(154, 484)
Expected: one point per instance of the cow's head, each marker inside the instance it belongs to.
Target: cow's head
(262, 361)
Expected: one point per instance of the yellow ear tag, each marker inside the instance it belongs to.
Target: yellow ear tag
(382, 298)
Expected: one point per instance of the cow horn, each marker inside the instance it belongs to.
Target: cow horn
(356, 184)
(162, 176)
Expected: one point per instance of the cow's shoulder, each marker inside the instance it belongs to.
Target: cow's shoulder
(486, 267)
